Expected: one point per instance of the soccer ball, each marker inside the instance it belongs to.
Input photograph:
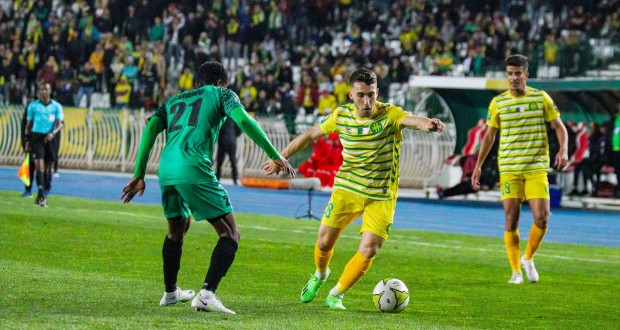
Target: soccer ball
(390, 295)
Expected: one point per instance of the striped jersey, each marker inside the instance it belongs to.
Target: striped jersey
(523, 144)
(371, 149)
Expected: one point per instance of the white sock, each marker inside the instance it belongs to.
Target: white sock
(206, 294)
(335, 291)
(321, 276)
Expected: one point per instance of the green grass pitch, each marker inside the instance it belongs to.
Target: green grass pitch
(92, 264)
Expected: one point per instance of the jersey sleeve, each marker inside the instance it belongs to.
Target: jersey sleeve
(230, 100)
(30, 111)
(161, 113)
(149, 136)
(59, 114)
(550, 110)
(250, 127)
(397, 115)
(328, 124)
(492, 115)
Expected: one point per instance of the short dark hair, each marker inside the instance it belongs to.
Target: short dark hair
(517, 60)
(363, 75)
(210, 73)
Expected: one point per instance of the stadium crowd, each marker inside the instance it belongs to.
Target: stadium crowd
(139, 52)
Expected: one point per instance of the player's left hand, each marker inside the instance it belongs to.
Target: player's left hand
(434, 125)
(133, 187)
(284, 164)
(561, 160)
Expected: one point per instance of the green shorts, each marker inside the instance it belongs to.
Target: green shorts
(203, 200)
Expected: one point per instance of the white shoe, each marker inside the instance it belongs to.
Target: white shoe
(56, 175)
(516, 278)
(180, 295)
(212, 304)
(530, 269)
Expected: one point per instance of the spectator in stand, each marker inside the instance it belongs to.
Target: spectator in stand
(96, 58)
(307, 94)
(157, 30)
(327, 102)
(87, 78)
(48, 73)
(341, 89)
(130, 70)
(186, 81)
(122, 93)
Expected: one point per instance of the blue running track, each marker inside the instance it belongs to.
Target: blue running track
(573, 226)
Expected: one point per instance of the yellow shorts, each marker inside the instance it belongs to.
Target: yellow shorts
(524, 186)
(344, 207)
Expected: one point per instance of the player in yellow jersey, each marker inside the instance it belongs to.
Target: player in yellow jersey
(520, 114)
(366, 184)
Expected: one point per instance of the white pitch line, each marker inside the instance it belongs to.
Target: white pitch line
(435, 245)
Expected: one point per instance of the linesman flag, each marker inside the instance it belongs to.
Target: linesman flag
(24, 171)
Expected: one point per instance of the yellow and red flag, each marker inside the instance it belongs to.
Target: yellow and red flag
(24, 171)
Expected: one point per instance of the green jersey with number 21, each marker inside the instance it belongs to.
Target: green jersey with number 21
(192, 122)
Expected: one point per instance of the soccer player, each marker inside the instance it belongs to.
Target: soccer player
(366, 184)
(44, 122)
(192, 120)
(520, 114)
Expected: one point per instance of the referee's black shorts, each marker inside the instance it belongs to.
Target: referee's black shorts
(40, 149)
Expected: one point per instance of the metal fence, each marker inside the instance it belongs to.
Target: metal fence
(108, 140)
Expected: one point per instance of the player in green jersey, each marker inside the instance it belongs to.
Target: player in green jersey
(192, 121)
(367, 182)
(520, 115)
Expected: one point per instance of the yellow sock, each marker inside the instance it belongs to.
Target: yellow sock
(357, 266)
(536, 237)
(321, 259)
(511, 239)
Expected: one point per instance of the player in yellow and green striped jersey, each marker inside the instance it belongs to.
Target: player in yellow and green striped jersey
(520, 115)
(366, 184)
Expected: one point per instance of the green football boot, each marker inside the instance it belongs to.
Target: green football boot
(311, 288)
(334, 301)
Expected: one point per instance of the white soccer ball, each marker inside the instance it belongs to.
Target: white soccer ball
(390, 295)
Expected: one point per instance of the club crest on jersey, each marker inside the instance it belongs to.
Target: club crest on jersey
(376, 127)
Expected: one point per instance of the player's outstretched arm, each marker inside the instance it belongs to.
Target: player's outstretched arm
(250, 127)
(423, 124)
(136, 185)
(300, 142)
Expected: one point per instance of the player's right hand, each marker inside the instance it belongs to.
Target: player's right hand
(475, 179)
(133, 187)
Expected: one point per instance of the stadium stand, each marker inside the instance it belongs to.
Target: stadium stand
(320, 42)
